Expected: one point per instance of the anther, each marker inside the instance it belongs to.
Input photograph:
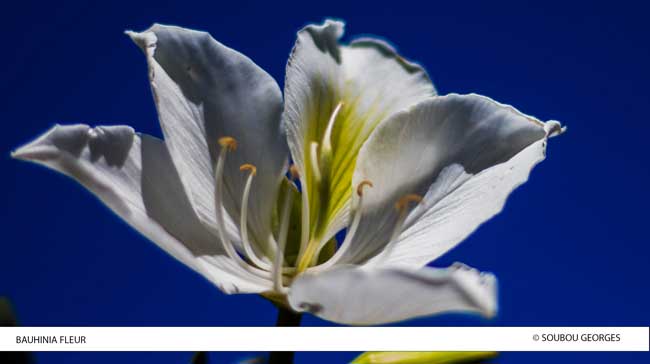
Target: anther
(229, 143)
(403, 202)
(401, 206)
(248, 167)
(361, 185)
(293, 171)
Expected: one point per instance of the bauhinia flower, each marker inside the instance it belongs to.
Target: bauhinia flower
(375, 150)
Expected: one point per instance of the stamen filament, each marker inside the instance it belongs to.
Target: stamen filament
(227, 144)
(282, 242)
(218, 179)
(327, 137)
(323, 243)
(304, 223)
(349, 236)
(402, 206)
(243, 222)
(313, 155)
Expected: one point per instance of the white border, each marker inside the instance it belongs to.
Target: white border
(327, 338)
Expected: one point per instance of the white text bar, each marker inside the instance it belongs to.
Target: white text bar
(324, 338)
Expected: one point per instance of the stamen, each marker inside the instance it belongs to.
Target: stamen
(403, 202)
(361, 185)
(227, 144)
(313, 154)
(320, 157)
(304, 222)
(282, 242)
(248, 167)
(345, 245)
(293, 171)
(243, 222)
(327, 137)
(402, 208)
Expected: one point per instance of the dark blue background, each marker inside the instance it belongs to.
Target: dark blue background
(571, 247)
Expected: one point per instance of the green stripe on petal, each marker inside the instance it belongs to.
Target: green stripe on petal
(335, 97)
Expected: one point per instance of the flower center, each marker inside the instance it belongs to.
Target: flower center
(275, 267)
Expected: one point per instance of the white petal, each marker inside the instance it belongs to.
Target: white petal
(353, 295)
(370, 80)
(134, 176)
(204, 91)
(464, 154)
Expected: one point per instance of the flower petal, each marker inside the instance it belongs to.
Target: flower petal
(134, 176)
(354, 295)
(370, 81)
(204, 91)
(464, 154)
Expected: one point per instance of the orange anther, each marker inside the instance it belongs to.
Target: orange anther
(403, 202)
(228, 142)
(293, 171)
(361, 185)
(248, 167)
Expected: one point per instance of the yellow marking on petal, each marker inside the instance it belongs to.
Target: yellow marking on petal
(342, 121)
(248, 167)
(229, 143)
(306, 259)
(363, 184)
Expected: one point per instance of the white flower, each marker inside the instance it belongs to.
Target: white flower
(408, 173)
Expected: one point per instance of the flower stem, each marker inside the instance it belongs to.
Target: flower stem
(286, 318)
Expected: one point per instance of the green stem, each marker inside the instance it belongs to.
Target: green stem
(286, 318)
